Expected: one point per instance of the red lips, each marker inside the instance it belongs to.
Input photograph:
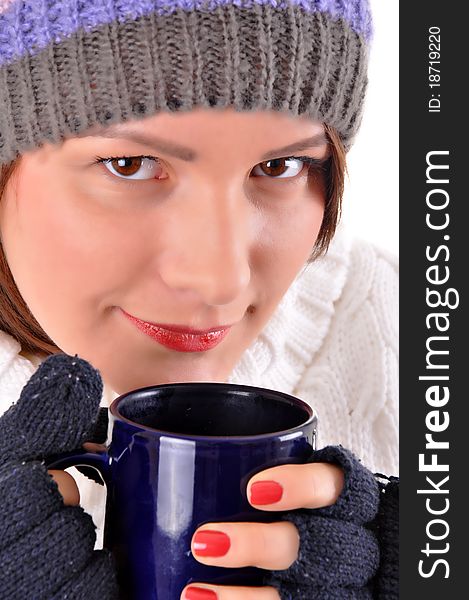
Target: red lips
(180, 338)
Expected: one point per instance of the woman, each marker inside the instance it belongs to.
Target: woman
(170, 190)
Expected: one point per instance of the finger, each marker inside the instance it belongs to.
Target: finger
(55, 411)
(202, 591)
(67, 487)
(265, 545)
(93, 447)
(289, 487)
(333, 553)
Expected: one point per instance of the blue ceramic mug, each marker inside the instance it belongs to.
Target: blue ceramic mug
(181, 455)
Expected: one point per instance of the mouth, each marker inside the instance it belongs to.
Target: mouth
(180, 337)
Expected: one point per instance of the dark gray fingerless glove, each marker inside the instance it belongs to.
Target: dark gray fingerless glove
(46, 548)
(340, 550)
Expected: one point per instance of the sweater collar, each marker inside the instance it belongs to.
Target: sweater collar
(15, 370)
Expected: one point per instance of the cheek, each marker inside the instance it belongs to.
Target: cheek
(63, 255)
(288, 241)
(294, 233)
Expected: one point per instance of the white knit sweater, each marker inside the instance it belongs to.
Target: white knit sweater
(333, 342)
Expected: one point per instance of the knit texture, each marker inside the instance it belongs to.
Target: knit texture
(348, 550)
(67, 65)
(25, 430)
(359, 500)
(46, 548)
(387, 530)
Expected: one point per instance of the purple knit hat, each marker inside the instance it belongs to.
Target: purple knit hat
(66, 65)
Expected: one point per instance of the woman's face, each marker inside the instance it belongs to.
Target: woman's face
(205, 224)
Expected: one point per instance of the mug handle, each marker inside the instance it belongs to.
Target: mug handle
(101, 461)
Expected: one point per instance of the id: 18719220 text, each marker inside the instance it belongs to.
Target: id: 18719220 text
(434, 62)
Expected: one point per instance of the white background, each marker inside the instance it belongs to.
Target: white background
(371, 196)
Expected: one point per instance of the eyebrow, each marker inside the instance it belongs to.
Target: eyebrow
(188, 154)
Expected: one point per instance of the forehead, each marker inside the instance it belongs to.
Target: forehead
(186, 135)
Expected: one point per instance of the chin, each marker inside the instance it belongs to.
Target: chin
(122, 385)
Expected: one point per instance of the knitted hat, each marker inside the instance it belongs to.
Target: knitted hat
(66, 65)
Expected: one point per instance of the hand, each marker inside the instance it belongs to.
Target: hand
(315, 491)
(46, 548)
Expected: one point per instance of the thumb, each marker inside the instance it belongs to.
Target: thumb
(55, 412)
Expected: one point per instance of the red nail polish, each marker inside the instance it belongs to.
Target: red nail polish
(195, 593)
(211, 543)
(266, 492)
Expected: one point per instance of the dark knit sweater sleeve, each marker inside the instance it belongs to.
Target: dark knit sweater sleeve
(348, 551)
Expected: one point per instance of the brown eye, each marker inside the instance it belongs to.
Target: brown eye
(126, 166)
(132, 167)
(281, 168)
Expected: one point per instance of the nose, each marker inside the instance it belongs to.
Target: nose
(206, 252)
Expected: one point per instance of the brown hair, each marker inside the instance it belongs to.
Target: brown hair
(15, 316)
(17, 320)
(335, 170)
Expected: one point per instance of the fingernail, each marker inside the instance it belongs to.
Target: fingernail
(211, 543)
(266, 492)
(195, 593)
